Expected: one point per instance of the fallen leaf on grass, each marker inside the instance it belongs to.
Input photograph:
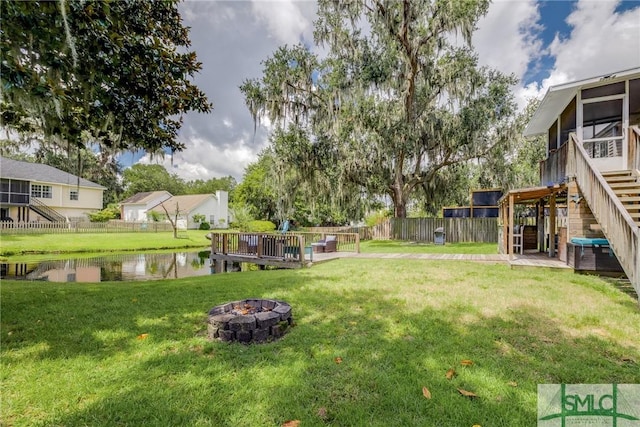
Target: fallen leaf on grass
(477, 425)
(467, 393)
(450, 373)
(512, 384)
(143, 336)
(466, 362)
(322, 413)
(291, 423)
(338, 360)
(426, 393)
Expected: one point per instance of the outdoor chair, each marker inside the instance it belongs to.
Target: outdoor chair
(518, 239)
(329, 244)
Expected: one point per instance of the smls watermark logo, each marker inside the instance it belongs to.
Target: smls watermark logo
(592, 405)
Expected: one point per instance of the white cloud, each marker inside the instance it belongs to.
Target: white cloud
(601, 41)
(505, 38)
(284, 20)
(204, 160)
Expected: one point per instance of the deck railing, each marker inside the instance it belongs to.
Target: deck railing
(288, 247)
(615, 221)
(553, 168)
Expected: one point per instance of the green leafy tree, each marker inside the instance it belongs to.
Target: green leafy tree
(113, 73)
(210, 186)
(140, 178)
(516, 165)
(390, 107)
(256, 193)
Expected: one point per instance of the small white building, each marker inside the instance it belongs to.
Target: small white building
(135, 207)
(215, 209)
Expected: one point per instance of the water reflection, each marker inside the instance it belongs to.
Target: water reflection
(125, 267)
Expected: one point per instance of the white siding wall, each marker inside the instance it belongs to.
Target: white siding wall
(134, 212)
(221, 210)
(207, 209)
(89, 200)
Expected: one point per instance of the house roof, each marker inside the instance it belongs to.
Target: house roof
(185, 203)
(559, 96)
(529, 195)
(26, 171)
(144, 197)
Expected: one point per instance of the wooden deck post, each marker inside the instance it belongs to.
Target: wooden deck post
(552, 225)
(511, 225)
(225, 243)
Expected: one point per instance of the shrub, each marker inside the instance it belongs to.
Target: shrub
(258, 226)
(378, 218)
(204, 226)
(106, 214)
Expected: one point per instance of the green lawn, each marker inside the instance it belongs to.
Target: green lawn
(20, 244)
(369, 335)
(399, 246)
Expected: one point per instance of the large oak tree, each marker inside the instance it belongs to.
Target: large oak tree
(398, 98)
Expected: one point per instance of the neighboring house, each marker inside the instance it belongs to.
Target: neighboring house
(589, 194)
(32, 192)
(215, 209)
(135, 207)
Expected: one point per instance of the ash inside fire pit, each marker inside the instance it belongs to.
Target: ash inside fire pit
(250, 320)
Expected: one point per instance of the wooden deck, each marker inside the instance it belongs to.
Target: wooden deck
(537, 259)
(531, 259)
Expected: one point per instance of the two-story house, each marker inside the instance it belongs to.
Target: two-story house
(32, 192)
(592, 171)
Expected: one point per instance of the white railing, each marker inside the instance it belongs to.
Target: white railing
(615, 221)
(10, 227)
(634, 148)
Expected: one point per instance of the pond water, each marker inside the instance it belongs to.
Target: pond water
(120, 267)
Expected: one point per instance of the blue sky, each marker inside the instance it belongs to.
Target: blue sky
(543, 43)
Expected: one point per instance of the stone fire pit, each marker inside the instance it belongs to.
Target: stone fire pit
(249, 321)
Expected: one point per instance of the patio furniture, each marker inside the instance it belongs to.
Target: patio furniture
(329, 244)
(518, 239)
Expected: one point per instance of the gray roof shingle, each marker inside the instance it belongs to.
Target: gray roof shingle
(15, 169)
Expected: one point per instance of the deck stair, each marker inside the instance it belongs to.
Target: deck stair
(612, 198)
(626, 186)
(45, 211)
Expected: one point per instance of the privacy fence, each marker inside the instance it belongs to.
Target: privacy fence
(479, 230)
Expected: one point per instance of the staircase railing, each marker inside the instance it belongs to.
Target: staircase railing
(45, 211)
(616, 223)
(634, 148)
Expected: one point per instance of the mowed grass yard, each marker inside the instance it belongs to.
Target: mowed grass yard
(369, 335)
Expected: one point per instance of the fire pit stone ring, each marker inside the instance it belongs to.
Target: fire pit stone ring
(249, 321)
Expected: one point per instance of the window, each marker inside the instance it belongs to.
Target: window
(212, 219)
(41, 191)
(73, 195)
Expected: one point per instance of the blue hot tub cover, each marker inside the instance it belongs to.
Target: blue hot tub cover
(585, 241)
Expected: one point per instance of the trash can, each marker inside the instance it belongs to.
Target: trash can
(438, 236)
